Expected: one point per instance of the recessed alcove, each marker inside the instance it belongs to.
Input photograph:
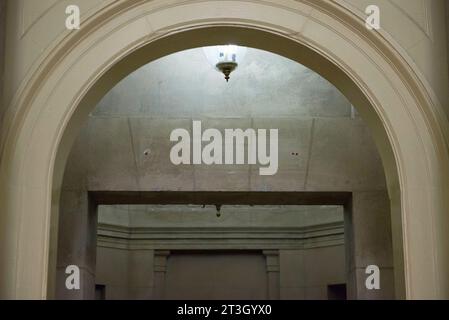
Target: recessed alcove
(124, 203)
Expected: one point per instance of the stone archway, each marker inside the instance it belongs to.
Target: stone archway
(400, 109)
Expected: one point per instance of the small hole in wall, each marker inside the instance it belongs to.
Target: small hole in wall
(147, 152)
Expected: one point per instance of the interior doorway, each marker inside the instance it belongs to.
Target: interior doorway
(118, 39)
(324, 152)
(261, 249)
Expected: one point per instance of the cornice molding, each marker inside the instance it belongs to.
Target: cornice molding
(193, 238)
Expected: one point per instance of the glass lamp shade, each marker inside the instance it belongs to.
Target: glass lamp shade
(225, 58)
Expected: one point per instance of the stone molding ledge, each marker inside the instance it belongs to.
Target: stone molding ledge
(227, 238)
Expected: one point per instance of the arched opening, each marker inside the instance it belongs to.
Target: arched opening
(256, 39)
(396, 105)
(186, 226)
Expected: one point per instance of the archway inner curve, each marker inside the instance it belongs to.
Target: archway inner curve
(402, 121)
(249, 37)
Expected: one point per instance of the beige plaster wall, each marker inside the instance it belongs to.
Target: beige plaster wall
(303, 274)
(419, 27)
(125, 274)
(306, 242)
(226, 276)
(335, 149)
(2, 52)
(306, 275)
(447, 27)
(25, 46)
